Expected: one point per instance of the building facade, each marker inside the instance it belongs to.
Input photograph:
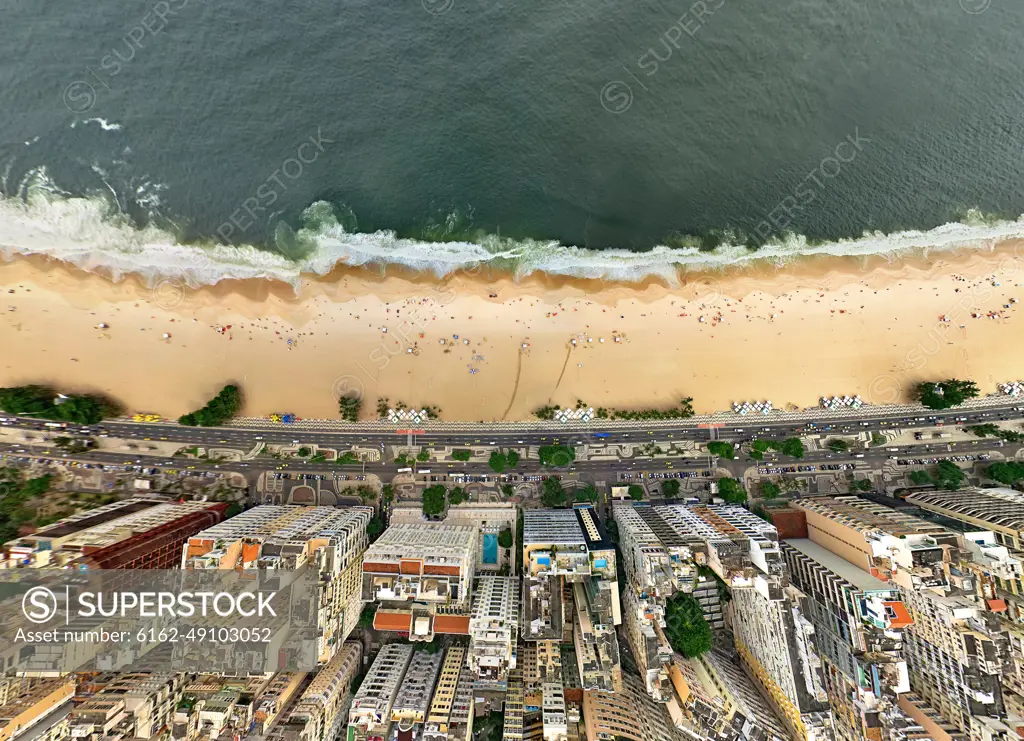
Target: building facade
(329, 540)
(421, 576)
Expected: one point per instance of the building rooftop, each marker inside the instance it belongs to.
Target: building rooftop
(860, 578)
(438, 544)
(552, 527)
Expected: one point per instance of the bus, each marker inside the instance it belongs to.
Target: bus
(405, 470)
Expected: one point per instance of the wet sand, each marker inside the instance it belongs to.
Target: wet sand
(483, 347)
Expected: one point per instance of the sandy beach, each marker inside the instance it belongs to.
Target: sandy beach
(483, 347)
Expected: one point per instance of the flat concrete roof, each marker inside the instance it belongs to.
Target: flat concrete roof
(856, 576)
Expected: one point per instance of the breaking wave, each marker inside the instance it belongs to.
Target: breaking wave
(92, 233)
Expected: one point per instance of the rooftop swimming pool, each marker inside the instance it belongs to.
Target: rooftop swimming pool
(490, 548)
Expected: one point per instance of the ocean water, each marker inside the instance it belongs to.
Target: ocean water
(221, 138)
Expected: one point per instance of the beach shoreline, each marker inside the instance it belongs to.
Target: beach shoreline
(482, 346)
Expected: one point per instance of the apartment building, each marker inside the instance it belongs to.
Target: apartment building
(494, 630)
(213, 705)
(515, 710)
(369, 717)
(927, 722)
(322, 709)
(138, 533)
(329, 540)
(770, 632)
(409, 710)
(998, 510)
(726, 703)
(555, 723)
(658, 558)
(627, 714)
(451, 708)
(269, 706)
(421, 575)
(488, 519)
(37, 709)
(775, 640)
(541, 662)
(889, 544)
(708, 594)
(858, 622)
(644, 621)
(569, 550)
(958, 647)
(740, 547)
(126, 706)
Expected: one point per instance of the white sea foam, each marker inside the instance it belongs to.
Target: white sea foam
(92, 234)
(104, 124)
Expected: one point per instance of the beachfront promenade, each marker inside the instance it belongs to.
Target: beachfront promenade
(725, 426)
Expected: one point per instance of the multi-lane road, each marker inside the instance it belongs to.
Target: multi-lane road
(866, 420)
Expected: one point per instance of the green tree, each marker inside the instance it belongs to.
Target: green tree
(722, 449)
(791, 446)
(498, 461)
(685, 627)
(588, 493)
(552, 494)
(423, 456)
(546, 413)
(44, 402)
(505, 538)
(430, 647)
(366, 616)
(33, 401)
(387, 494)
(349, 406)
(758, 448)
(304, 452)
(462, 454)
(838, 445)
(670, 488)
(513, 458)
(490, 727)
(921, 478)
(949, 476)
(219, 410)
(508, 490)
(83, 410)
(877, 439)
(731, 491)
(433, 500)
(556, 455)
(456, 496)
(374, 527)
(770, 490)
(863, 485)
(985, 430)
(945, 394)
(636, 492)
(1007, 473)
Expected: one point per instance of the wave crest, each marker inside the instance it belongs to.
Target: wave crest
(91, 233)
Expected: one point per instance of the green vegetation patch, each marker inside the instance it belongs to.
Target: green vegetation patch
(722, 449)
(731, 491)
(945, 394)
(219, 410)
(556, 455)
(685, 627)
(45, 403)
